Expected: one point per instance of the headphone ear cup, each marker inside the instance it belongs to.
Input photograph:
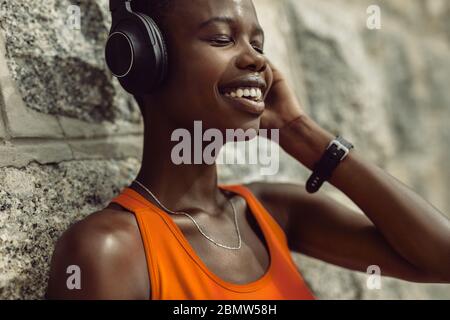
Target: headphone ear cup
(159, 46)
(136, 54)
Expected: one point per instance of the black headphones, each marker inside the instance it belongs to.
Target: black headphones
(135, 51)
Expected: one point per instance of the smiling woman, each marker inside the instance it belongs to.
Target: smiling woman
(175, 233)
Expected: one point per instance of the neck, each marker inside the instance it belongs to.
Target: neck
(185, 187)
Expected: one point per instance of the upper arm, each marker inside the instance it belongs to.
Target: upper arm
(105, 256)
(319, 226)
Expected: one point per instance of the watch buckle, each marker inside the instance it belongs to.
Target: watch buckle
(339, 146)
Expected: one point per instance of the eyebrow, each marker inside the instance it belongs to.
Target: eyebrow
(230, 21)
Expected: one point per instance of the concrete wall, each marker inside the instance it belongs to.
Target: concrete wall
(70, 139)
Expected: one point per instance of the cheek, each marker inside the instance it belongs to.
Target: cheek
(191, 89)
(196, 65)
(205, 70)
(198, 74)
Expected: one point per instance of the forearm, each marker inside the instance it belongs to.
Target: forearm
(412, 226)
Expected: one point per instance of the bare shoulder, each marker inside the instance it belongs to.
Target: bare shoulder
(278, 198)
(106, 249)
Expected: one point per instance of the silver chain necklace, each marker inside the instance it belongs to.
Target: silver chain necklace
(195, 222)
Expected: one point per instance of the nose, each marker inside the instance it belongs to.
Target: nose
(252, 60)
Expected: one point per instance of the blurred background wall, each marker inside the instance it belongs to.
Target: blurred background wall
(70, 139)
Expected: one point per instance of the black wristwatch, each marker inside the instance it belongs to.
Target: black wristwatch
(334, 154)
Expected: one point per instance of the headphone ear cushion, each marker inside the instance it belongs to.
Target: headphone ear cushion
(159, 46)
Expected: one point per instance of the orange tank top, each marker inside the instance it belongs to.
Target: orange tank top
(176, 272)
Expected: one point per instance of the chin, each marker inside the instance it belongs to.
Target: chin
(240, 130)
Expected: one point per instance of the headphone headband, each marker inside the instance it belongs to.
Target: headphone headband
(114, 4)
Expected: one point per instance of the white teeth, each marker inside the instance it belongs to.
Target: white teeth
(254, 93)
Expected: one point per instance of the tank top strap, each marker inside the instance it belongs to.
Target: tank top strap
(128, 201)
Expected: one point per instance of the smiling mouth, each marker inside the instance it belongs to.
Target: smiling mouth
(252, 94)
(247, 99)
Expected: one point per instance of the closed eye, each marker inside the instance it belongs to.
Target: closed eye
(221, 40)
(258, 48)
(224, 40)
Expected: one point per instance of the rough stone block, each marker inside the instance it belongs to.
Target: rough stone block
(37, 204)
(60, 69)
(74, 128)
(110, 148)
(22, 121)
(21, 154)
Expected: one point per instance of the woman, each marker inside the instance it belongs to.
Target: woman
(234, 241)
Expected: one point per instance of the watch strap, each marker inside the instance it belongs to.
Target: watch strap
(334, 154)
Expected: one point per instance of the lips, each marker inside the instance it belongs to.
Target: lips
(246, 93)
(245, 82)
(244, 104)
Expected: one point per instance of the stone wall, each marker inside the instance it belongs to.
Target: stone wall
(70, 139)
